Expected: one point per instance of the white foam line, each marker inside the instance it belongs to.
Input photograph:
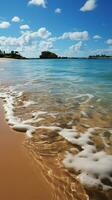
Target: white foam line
(15, 122)
(90, 96)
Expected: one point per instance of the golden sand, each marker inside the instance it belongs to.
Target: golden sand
(19, 179)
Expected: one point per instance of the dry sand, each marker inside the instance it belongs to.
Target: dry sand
(19, 179)
(6, 59)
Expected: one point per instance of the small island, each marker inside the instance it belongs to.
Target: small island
(12, 54)
(51, 55)
(48, 55)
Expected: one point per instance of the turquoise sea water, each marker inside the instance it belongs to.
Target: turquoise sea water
(60, 77)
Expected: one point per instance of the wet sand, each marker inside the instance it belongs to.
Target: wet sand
(19, 178)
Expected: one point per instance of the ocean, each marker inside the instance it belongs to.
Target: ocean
(64, 106)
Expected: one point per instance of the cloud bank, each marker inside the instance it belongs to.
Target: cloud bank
(75, 35)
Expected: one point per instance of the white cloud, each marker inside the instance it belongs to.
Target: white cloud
(24, 27)
(88, 6)
(4, 25)
(43, 33)
(30, 51)
(38, 3)
(42, 39)
(26, 40)
(29, 43)
(52, 39)
(58, 10)
(109, 41)
(75, 35)
(11, 41)
(45, 45)
(107, 51)
(75, 48)
(97, 37)
(16, 19)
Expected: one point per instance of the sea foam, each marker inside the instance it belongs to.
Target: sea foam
(94, 167)
(14, 121)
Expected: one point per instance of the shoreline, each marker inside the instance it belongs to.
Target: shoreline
(74, 58)
(7, 59)
(20, 178)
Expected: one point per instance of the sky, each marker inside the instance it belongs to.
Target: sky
(67, 27)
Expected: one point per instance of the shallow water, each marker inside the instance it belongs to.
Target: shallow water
(68, 94)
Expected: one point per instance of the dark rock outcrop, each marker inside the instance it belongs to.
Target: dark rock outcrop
(48, 55)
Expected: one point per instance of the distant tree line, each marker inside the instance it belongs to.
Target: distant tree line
(12, 54)
(99, 56)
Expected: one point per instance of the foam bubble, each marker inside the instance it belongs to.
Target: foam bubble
(24, 128)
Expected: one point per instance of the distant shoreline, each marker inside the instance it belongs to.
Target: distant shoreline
(69, 58)
(48, 55)
(60, 58)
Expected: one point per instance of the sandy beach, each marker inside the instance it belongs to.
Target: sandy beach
(6, 59)
(18, 177)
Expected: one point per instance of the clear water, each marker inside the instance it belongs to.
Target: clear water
(65, 78)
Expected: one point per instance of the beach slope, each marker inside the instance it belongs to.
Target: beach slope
(19, 179)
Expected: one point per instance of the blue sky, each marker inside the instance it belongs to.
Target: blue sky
(67, 27)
